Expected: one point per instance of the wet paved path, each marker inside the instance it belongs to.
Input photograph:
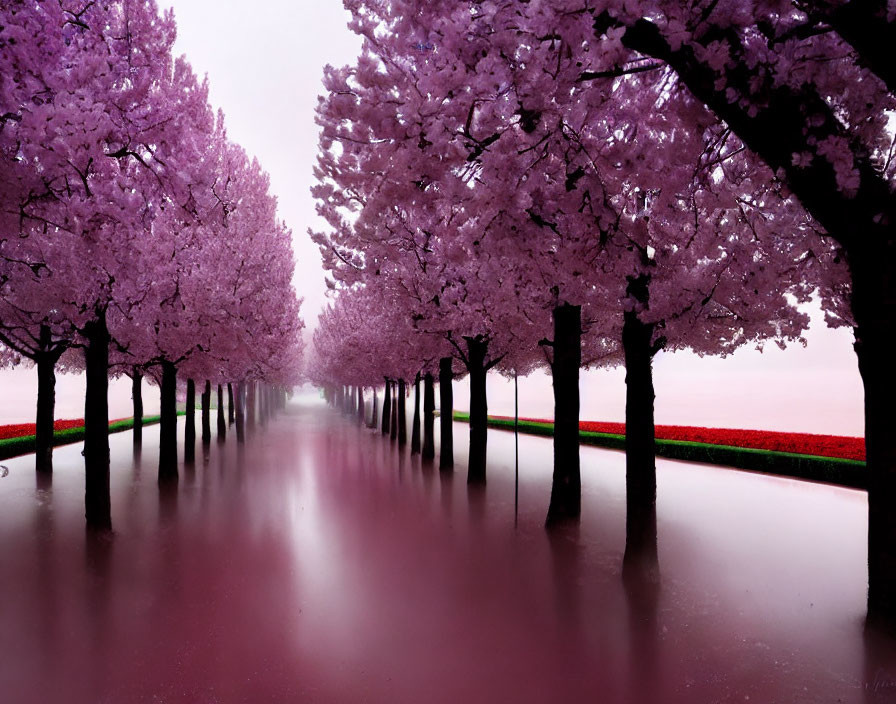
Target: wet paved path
(320, 564)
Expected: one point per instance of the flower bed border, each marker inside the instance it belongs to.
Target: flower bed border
(831, 470)
(24, 445)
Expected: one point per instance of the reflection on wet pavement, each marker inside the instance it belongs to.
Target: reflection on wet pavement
(318, 563)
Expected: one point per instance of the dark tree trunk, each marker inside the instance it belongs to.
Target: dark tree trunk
(168, 425)
(415, 424)
(240, 413)
(250, 407)
(262, 411)
(640, 457)
(566, 489)
(429, 407)
(374, 411)
(190, 423)
(207, 414)
(387, 407)
(231, 411)
(222, 420)
(402, 413)
(777, 129)
(477, 349)
(360, 406)
(96, 425)
(861, 24)
(874, 306)
(46, 407)
(446, 415)
(137, 398)
(393, 421)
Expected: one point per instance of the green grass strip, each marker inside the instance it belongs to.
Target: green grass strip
(832, 470)
(24, 445)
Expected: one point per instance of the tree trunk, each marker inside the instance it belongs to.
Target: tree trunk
(240, 412)
(566, 489)
(387, 407)
(874, 307)
(415, 425)
(393, 420)
(168, 425)
(446, 416)
(640, 458)
(374, 411)
(97, 503)
(429, 407)
(477, 349)
(361, 414)
(402, 413)
(46, 406)
(206, 414)
(137, 398)
(250, 407)
(859, 23)
(222, 420)
(231, 411)
(190, 423)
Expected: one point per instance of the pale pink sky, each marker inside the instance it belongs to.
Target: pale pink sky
(264, 67)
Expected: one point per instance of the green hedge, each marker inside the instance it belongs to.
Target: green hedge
(848, 473)
(13, 447)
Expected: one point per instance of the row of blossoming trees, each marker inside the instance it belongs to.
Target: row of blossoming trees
(574, 183)
(131, 228)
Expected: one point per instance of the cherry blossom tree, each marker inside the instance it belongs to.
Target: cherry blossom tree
(354, 344)
(556, 233)
(113, 230)
(103, 122)
(405, 233)
(808, 94)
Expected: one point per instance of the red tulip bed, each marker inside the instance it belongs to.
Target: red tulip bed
(24, 429)
(18, 439)
(828, 458)
(799, 443)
